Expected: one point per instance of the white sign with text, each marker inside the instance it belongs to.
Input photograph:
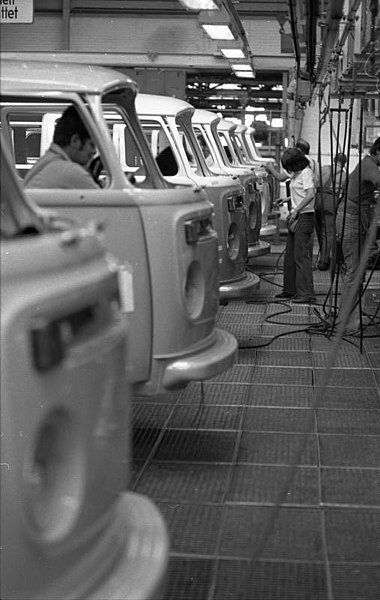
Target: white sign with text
(16, 11)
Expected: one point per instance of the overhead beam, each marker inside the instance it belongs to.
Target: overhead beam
(172, 7)
(153, 60)
(247, 93)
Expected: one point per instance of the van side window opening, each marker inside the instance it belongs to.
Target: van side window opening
(161, 147)
(237, 147)
(225, 147)
(189, 150)
(204, 146)
(131, 159)
(241, 150)
(32, 130)
(17, 218)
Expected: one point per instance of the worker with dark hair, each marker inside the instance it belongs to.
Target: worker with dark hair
(304, 147)
(298, 262)
(353, 221)
(64, 163)
(167, 162)
(329, 194)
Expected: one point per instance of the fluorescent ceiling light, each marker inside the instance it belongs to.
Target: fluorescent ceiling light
(247, 74)
(228, 86)
(232, 53)
(199, 4)
(218, 32)
(241, 67)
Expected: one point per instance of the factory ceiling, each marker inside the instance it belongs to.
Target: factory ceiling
(280, 38)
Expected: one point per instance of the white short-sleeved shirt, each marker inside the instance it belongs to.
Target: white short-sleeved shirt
(299, 183)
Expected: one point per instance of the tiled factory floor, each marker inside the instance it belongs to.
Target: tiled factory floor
(268, 476)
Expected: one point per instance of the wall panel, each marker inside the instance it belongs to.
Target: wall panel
(44, 34)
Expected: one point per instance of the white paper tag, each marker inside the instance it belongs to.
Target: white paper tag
(127, 300)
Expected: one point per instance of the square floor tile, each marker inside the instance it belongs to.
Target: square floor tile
(351, 487)
(193, 528)
(277, 448)
(241, 580)
(261, 532)
(144, 441)
(372, 344)
(350, 450)
(341, 397)
(279, 358)
(350, 378)
(205, 416)
(287, 342)
(237, 374)
(341, 360)
(355, 582)
(150, 415)
(185, 482)
(276, 375)
(189, 579)
(300, 396)
(349, 421)
(217, 393)
(273, 484)
(374, 359)
(279, 419)
(353, 535)
(289, 329)
(197, 446)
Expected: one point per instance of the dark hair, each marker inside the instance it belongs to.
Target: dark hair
(69, 124)
(375, 146)
(340, 158)
(294, 160)
(303, 145)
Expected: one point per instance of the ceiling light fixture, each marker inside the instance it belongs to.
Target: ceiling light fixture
(218, 32)
(217, 24)
(233, 49)
(241, 67)
(232, 53)
(199, 4)
(245, 74)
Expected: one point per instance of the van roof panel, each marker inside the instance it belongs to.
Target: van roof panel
(225, 125)
(205, 116)
(25, 76)
(153, 105)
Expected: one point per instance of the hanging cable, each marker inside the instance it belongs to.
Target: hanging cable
(360, 218)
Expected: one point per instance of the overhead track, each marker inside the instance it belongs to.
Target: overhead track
(329, 47)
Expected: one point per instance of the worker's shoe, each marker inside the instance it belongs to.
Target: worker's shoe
(323, 266)
(285, 296)
(304, 300)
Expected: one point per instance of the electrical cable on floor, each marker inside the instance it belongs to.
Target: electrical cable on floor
(201, 405)
(285, 485)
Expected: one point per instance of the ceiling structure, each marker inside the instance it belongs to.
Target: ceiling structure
(206, 82)
(206, 88)
(285, 39)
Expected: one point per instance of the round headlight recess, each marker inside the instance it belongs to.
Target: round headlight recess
(194, 292)
(233, 241)
(253, 217)
(54, 477)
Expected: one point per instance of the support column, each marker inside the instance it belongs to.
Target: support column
(66, 10)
